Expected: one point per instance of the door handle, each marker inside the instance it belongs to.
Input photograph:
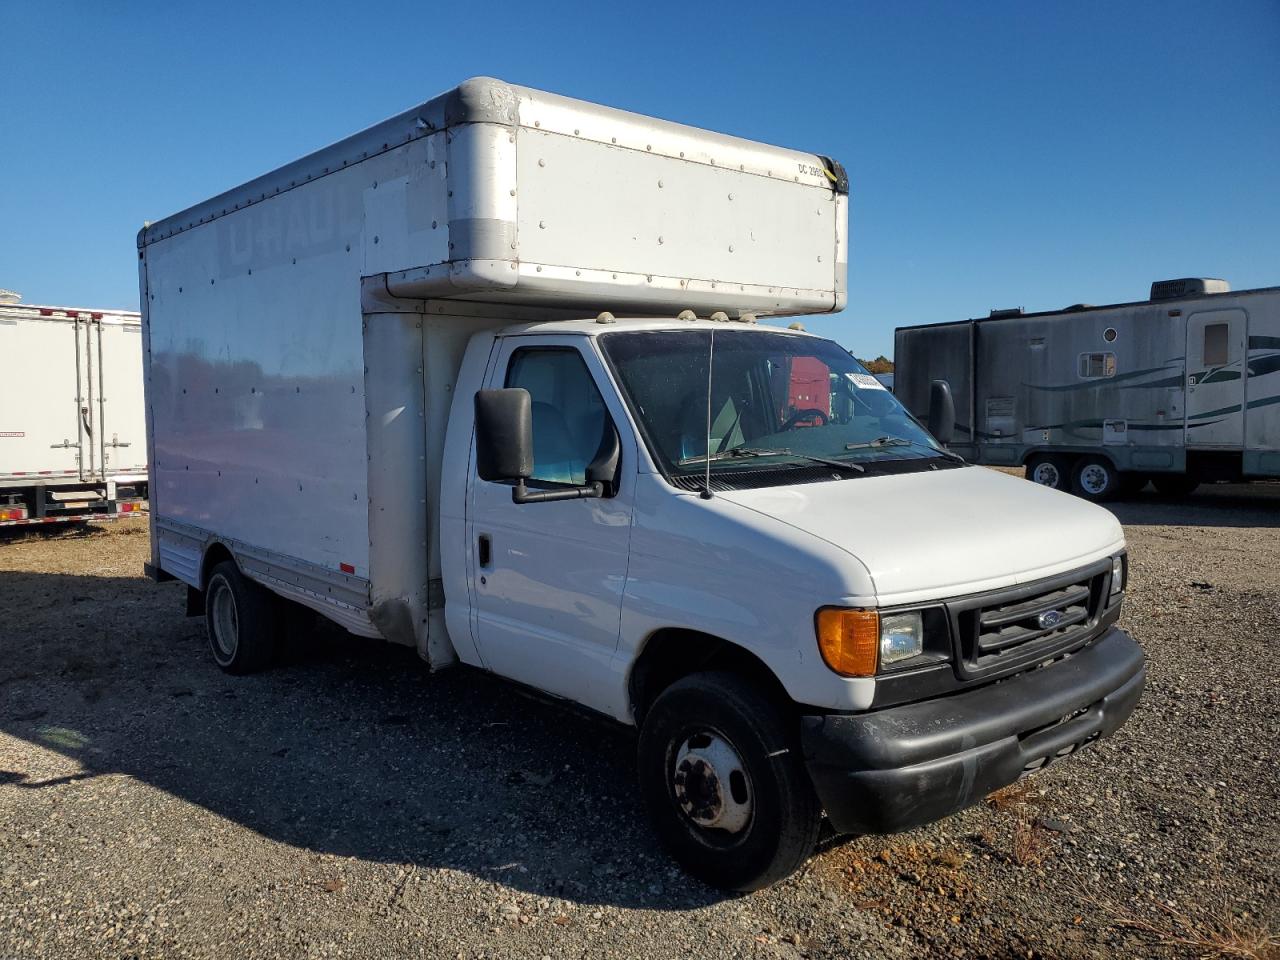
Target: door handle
(484, 550)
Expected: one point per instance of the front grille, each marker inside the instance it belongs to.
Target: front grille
(1008, 629)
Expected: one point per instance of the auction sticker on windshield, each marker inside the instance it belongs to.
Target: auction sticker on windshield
(864, 381)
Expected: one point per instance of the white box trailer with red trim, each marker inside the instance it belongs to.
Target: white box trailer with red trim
(72, 427)
(386, 382)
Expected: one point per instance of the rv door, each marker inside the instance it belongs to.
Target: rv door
(1215, 379)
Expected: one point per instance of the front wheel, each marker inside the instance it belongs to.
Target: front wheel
(721, 774)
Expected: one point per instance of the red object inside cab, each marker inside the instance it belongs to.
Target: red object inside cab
(810, 389)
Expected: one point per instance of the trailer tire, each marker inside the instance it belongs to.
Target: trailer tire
(240, 620)
(1175, 484)
(1095, 478)
(722, 777)
(1049, 471)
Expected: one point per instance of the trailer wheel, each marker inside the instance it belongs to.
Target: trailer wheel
(1049, 471)
(1175, 484)
(724, 783)
(1096, 479)
(240, 620)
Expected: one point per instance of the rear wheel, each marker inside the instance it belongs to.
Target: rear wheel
(240, 620)
(725, 786)
(1095, 479)
(1049, 471)
(1175, 484)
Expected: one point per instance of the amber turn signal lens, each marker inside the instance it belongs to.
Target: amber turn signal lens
(849, 640)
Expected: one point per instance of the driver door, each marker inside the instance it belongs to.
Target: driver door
(547, 578)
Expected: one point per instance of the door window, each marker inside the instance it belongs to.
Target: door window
(569, 416)
(1216, 344)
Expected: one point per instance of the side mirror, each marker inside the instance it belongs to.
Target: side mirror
(942, 412)
(604, 468)
(504, 435)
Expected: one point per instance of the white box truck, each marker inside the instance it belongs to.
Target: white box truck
(72, 431)
(1180, 388)
(396, 382)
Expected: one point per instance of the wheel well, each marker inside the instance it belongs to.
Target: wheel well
(672, 653)
(214, 555)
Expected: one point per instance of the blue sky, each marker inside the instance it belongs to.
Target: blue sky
(1000, 154)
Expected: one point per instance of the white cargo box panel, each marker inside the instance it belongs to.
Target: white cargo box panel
(71, 405)
(298, 327)
(499, 193)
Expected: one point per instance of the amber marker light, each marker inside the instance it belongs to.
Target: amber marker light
(849, 640)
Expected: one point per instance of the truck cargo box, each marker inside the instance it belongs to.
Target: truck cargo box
(304, 330)
(71, 412)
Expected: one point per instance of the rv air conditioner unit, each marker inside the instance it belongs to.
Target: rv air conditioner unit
(1187, 287)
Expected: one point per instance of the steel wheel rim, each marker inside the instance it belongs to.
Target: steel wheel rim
(225, 623)
(711, 786)
(1046, 474)
(1095, 478)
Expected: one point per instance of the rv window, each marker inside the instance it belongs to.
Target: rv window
(1215, 345)
(1095, 366)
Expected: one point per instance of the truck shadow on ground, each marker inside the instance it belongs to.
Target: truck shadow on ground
(349, 747)
(1213, 505)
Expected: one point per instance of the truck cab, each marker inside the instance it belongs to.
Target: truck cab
(803, 608)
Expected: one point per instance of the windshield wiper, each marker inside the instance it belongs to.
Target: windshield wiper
(905, 442)
(735, 452)
(730, 454)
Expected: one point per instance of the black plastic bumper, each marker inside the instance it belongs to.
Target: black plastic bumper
(898, 768)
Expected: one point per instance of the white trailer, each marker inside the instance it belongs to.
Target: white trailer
(1180, 388)
(72, 429)
(387, 382)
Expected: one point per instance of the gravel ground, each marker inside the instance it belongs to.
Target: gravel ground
(348, 804)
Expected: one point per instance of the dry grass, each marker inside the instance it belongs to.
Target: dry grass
(1029, 846)
(1220, 936)
(1017, 795)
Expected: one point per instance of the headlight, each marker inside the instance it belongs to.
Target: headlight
(856, 643)
(1117, 574)
(901, 637)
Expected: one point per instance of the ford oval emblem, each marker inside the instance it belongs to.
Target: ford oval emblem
(1049, 619)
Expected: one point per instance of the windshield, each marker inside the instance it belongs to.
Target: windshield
(777, 401)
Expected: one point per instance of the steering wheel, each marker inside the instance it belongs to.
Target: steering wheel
(799, 415)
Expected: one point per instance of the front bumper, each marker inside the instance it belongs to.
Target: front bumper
(901, 767)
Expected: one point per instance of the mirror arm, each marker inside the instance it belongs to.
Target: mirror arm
(522, 494)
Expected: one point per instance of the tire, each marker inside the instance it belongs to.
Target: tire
(767, 816)
(1131, 484)
(1175, 484)
(1049, 471)
(1095, 479)
(240, 619)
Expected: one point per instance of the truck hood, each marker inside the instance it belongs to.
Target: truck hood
(944, 533)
